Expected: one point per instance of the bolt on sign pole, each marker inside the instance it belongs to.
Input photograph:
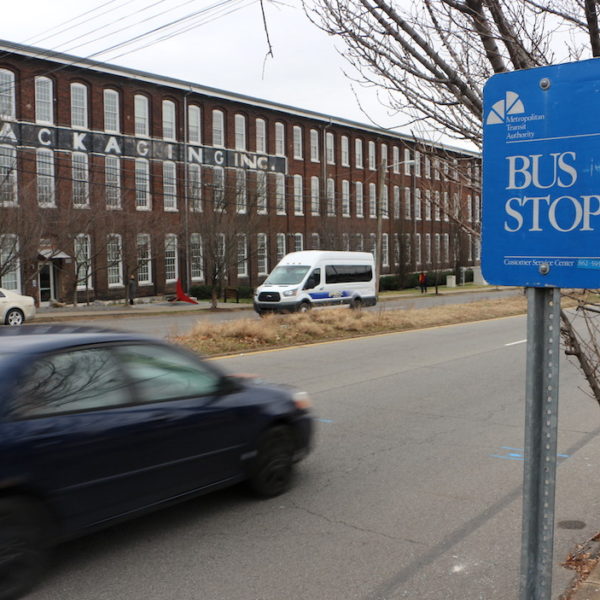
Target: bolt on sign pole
(541, 425)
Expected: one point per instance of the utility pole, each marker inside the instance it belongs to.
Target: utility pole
(378, 244)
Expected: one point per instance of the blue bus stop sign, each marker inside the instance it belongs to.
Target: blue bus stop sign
(541, 177)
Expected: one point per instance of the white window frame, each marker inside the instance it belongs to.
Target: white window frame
(330, 147)
(280, 201)
(262, 257)
(112, 181)
(196, 257)
(45, 181)
(142, 115)
(315, 196)
(242, 255)
(111, 104)
(314, 146)
(241, 192)
(280, 246)
(171, 258)
(169, 186)
(358, 154)
(239, 122)
(345, 198)
(143, 197)
(169, 120)
(279, 139)
(195, 187)
(372, 201)
(79, 106)
(83, 261)
(261, 135)
(7, 95)
(10, 261)
(345, 151)
(218, 128)
(372, 156)
(114, 260)
(44, 100)
(144, 259)
(194, 124)
(298, 195)
(297, 139)
(261, 193)
(298, 242)
(359, 199)
(331, 197)
(80, 176)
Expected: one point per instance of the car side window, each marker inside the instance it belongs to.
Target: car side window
(314, 279)
(76, 380)
(160, 373)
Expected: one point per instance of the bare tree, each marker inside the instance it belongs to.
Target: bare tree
(429, 59)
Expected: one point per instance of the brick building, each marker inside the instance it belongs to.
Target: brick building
(107, 172)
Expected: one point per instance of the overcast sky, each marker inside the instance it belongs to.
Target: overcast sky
(226, 47)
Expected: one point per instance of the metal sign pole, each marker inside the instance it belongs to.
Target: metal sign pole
(541, 425)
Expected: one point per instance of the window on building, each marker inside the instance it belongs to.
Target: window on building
(345, 198)
(218, 128)
(417, 194)
(169, 186)
(436, 249)
(221, 249)
(79, 105)
(261, 136)
(144, 256)
(298, 242)
(261, 254)
(111, 111)
(407, 203)
(384, 155)
(315, 241)
(241, 192)
(437, 209)
(240, 132)
(358, 153)
(477, 249)
(141, 115)
(195, 187)
(396, 250)
(372, 201)
(80, 176)
(44, 164)
(280, 243)
(261, 193)
(171, 262)
(297, 133)
(314, 145)
(83, 261)
(359, 199)
(330, 197)
(194, 124)
(418, 248)
(372, 158)
(428, 248)
(436, 168)
(359, 242)
(280, 193)
(384, 203)
(44, 100)
(330, 148)
(417, 164)
(346, 242)
(114, 260)
(9, 259)
(469, 208)
(168, 120)
(446, 207)
(7, 94)
(142, 184)
(470, 247)
(218, 183)
(112, 181)
(315, 196)
(407, 161)
(446, 248)
(196, 257)
(396, 159)
(298, 195)
(279, 139)
(345, 150)
(428, 205)
(427, 167)
(396, 201)
(385, 250)
(242, 255)
(477, 210)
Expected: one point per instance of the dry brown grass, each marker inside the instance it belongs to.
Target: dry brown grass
(272, 331)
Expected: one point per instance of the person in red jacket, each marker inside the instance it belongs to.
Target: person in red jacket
(423, 282)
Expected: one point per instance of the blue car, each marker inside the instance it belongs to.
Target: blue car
(99, 426)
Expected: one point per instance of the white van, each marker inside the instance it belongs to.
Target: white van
(303, 280)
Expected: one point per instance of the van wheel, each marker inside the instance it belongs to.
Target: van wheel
(356, 304)
(303, 307)
(22, 546)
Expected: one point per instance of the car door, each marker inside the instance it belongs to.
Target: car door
(84, 437)
(196, 432)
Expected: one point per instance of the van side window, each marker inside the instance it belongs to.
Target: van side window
(348, 273)
(314, 279)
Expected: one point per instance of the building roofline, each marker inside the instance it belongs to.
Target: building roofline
(102, 67)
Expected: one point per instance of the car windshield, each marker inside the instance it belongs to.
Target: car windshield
(287, 275)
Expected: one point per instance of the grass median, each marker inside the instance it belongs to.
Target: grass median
(272, 331)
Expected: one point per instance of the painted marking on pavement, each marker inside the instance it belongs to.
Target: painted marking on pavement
(515, 343)
(517, 454)
(324, 420)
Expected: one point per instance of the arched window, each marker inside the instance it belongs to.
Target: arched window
(44, 100)
(79, 105)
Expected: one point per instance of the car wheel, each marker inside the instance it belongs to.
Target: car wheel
(14, 316)
(272, 472)
(22, 551)
(303, 307)
(356, 304)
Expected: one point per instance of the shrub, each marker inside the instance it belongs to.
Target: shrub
(389, 282)
(202, 292)
(245, 291)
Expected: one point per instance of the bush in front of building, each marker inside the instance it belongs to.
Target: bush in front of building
(201, 292)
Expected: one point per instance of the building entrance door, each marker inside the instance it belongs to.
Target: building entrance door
(46, 282)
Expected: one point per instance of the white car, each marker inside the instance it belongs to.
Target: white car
(15, 309)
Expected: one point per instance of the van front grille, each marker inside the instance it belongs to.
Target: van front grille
(269, 297)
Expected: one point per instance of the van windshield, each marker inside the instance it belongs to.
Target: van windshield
(287, 275)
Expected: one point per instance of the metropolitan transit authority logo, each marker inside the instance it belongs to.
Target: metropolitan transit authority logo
(511, 105)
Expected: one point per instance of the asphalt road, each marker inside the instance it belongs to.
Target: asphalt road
(413, 490)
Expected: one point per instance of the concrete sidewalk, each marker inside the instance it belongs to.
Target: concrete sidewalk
(153, 307)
